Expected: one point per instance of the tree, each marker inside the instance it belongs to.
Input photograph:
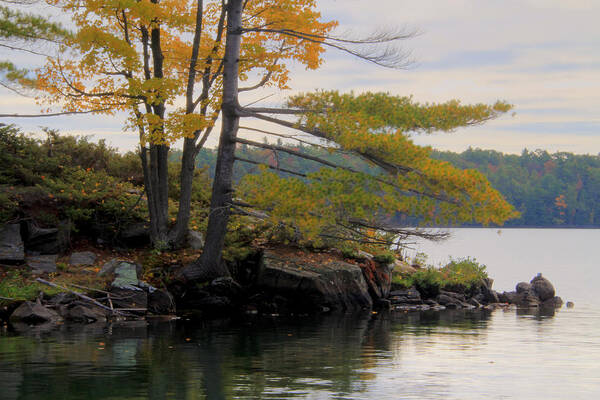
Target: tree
(22, 32)
(161, 62)
(374, 127)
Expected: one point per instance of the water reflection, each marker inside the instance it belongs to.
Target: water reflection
(337, 355)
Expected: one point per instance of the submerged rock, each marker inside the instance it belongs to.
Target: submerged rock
(334, 285)
(12, 249)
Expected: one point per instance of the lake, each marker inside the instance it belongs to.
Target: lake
(454, 354)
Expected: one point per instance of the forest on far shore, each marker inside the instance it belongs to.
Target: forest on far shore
(549, 189)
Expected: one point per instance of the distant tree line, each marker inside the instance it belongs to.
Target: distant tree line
(549, 190)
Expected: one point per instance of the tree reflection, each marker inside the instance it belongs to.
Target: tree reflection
(260, 358)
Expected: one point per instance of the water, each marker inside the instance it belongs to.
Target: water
(447, 355)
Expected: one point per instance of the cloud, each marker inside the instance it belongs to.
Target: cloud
(540, 55)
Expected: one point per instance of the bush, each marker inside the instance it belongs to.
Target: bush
(462, 275)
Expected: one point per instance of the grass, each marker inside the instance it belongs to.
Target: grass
(17, 285)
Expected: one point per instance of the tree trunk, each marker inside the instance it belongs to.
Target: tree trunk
(209, 265)
(188, 165)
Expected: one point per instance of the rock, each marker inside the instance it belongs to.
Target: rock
(489, 295)
(472, 301)
(508, 297)
(406, 296)
(82, 258)
(378, 278)
(226, 287)
(447, 301)
(135, 235)
(130, 298)
(527, 299)
(111, 265)
(126, 276)
(542, 287)
(61, 299)
(80, 313)
(216, 305)
(523, 287)
(33, 313)
(195, 240)
(161, 302)
(48, 240)
(42, 264)
(555, 302)
(12, 249)
(336, 284)
(570, 304)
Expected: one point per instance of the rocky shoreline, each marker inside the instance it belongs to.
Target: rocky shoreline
(271, 283)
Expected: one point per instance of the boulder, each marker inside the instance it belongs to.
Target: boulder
(526, 299)
(42, 264)
(33, 313)
(135, 235)
(111, 265)
(378, 277)
(82, 258)
(195, 240)
(542, 287)
(555, 302)
(47, 240)
(406, 296)
(161, 302)
(132, 298)
(523, 287)
(85, 314)
(126, 276)
(333, 285)
(489, 295)
(12, 249)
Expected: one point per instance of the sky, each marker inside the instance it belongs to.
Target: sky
(542, 56)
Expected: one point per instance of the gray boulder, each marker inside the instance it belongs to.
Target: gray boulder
(34, 313)
(126, 275)
(542, 287)
(12, 249)
(111, 265)
(406, 296)
(82, 258)
(42, 264)
(47, 240)
(523, 287)
(334, 285)
(135, 235)
(554, 302)
(161, 302)
(84, 314)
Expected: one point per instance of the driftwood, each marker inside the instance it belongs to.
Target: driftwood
(81, 296)
(7, 298)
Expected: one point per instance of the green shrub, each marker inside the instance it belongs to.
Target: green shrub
(462, 275)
